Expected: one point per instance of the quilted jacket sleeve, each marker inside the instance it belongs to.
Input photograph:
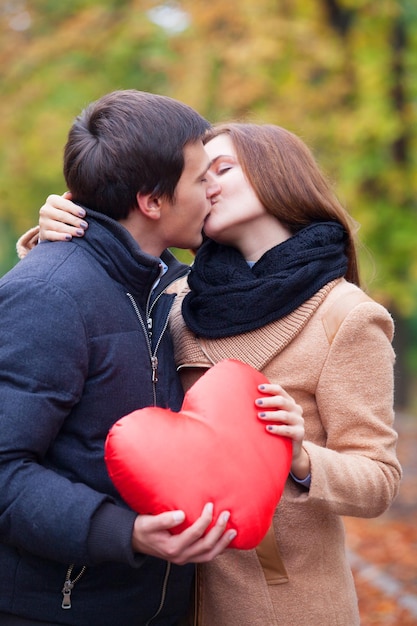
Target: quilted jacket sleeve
(38, 390)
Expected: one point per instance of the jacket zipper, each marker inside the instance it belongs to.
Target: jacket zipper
(154, 358)
(147, 329)
(69, 585)
(154, 366)
(196, 587)
(163, 595)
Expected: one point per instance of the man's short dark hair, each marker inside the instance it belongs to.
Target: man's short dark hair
(127, 142)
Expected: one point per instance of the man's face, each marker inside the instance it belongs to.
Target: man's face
(183, 217)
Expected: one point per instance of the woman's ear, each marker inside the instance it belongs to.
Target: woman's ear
(149, 205)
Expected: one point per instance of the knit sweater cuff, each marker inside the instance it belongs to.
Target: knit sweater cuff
(110, 537)
(27, 241)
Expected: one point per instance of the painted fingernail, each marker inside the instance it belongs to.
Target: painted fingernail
(262, 387)
(68, 237)
(81, 213)
(262, 414)
(80, 232)
(270, 428)
(259, 402)
(83, 224)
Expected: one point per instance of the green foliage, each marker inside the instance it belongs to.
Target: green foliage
(72, 53)
(185, 256)
(340, 74)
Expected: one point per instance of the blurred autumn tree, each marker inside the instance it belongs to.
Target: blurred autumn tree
(343, 75)
(340, 73)
(55, 57)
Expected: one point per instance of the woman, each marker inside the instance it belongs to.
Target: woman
(276, 285)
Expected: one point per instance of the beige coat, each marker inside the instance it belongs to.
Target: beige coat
(334, 356)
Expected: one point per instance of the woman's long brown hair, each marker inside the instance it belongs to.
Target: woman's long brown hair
(288, 181)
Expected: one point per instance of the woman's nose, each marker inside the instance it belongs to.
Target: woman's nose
(213, 186)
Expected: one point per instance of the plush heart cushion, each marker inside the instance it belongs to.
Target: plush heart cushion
(214, 450)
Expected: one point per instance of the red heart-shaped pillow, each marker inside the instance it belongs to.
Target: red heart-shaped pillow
(214, 450)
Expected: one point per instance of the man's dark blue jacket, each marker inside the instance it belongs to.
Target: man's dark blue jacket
(75, 356)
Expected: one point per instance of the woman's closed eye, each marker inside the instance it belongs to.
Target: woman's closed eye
(223, 169)
(222, 164)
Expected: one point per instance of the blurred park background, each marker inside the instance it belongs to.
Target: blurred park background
(342, 74)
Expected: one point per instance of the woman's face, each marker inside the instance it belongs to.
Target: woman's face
(236, 210)
(237, 217)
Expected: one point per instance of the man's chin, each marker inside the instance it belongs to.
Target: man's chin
(198, 241)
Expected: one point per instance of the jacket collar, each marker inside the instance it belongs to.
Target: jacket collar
(123, 259)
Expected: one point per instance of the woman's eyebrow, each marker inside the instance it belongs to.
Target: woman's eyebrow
(221, 156)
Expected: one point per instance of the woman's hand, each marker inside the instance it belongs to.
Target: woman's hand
(60, 219)
(288, 420)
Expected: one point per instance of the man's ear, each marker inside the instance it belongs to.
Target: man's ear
(149, 205)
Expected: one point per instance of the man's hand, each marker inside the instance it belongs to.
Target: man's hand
(151, 536)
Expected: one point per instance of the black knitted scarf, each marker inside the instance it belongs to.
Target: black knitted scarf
(227, 297)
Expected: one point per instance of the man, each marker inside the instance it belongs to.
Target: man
(83, 342)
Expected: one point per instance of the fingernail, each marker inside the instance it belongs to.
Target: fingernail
(262, 414)
(225, 517)
(232, 534)
(261, 387)
(270, 428)
(68, 237)
(81, 213)
(79, 232)
(259, 402)
(179, 516)
(83, 224)
(209, 508)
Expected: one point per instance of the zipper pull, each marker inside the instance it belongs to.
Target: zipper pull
(66, 592)
(154, 364)
(69, 586)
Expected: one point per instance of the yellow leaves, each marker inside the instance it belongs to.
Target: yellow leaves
(385, 549)
(286, 62)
